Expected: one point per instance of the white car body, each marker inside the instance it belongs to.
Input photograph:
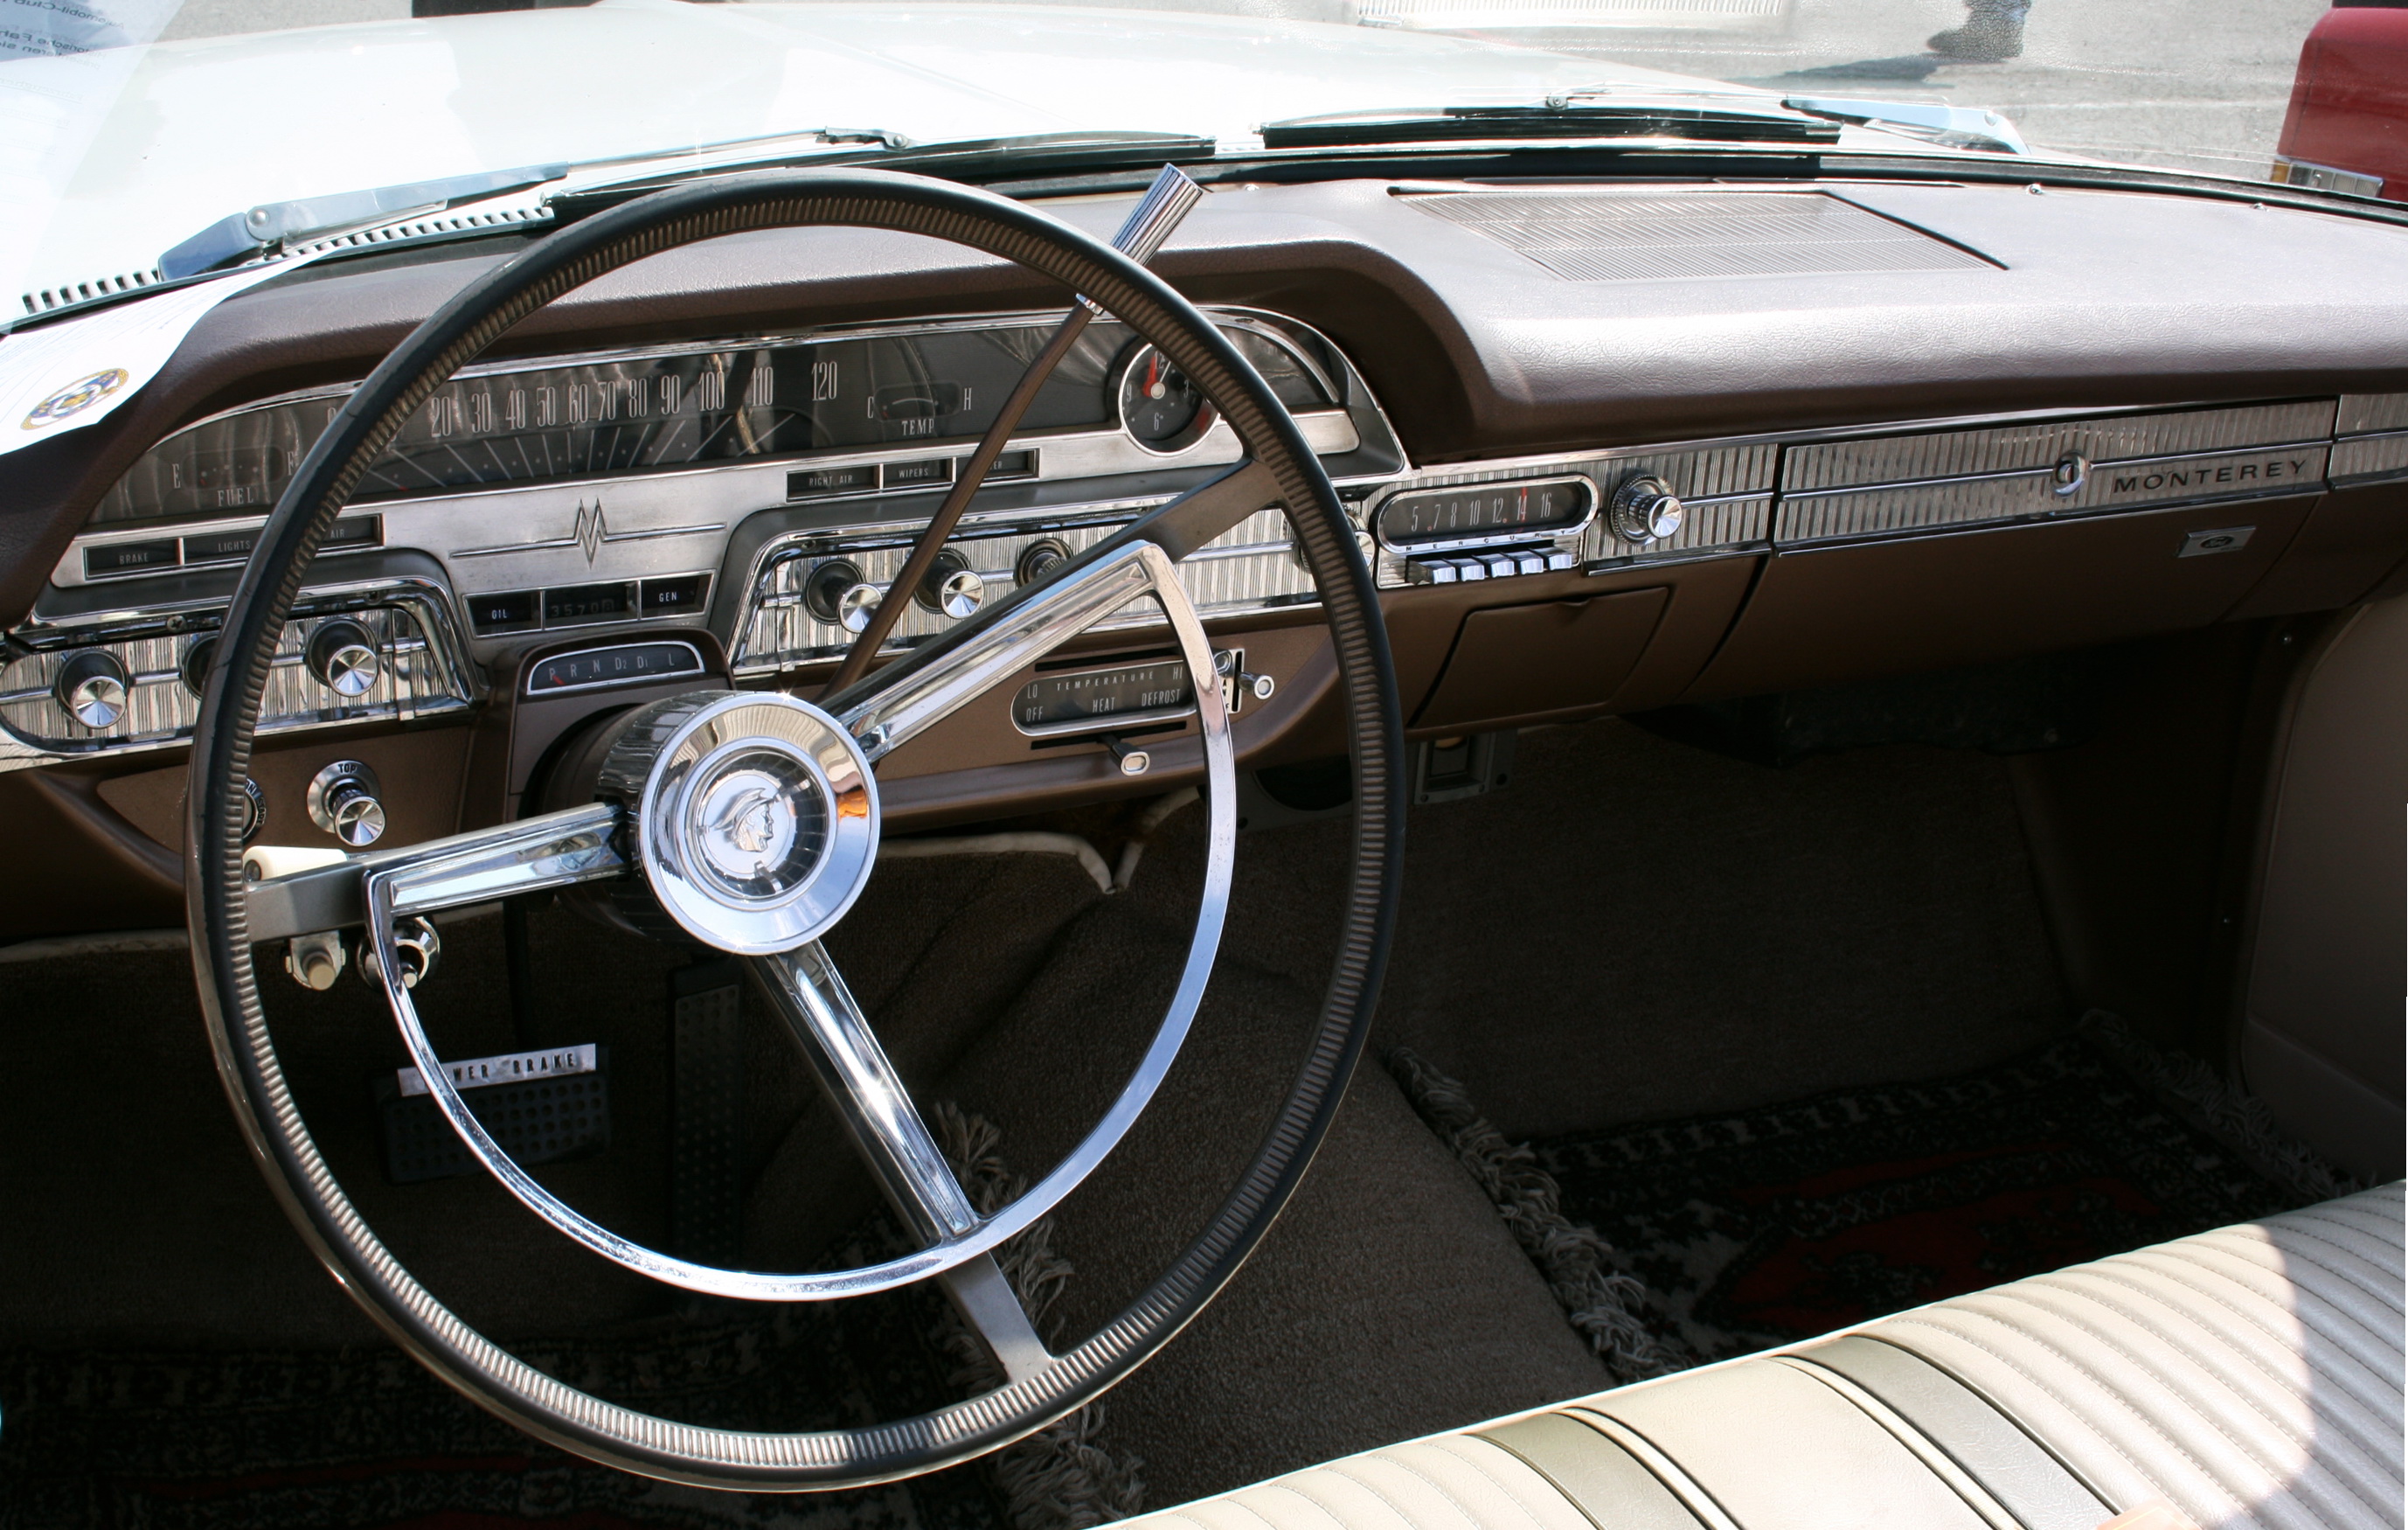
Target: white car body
(123, 152)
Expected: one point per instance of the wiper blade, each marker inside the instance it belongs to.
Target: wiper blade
(1952, 127)
(1551, 120)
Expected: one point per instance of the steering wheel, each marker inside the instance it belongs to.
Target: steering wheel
(747, 822)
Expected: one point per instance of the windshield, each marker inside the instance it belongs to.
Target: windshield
(136, 126)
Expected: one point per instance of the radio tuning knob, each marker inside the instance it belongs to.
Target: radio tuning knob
(1645, 509)
(343, 656)
(343, 801)
(92, 686)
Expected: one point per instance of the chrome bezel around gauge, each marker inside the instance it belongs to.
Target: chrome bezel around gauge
(1114, 722)
(1179, 442)
(1503, 536)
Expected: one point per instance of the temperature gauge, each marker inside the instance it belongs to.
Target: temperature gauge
(1160, 410)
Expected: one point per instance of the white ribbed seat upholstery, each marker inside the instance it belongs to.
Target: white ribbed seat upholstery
(2249, 1377)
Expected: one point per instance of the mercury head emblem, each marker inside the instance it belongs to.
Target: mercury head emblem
(759, 823)
(752, 820)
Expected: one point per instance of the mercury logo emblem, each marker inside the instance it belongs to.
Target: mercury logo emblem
(751, 822)
(591, 532)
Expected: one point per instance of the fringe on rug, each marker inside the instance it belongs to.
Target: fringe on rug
(1060, 1478)
(2241, 1120)
(1602, 1301)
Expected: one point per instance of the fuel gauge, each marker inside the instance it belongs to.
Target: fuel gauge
(1160, 410)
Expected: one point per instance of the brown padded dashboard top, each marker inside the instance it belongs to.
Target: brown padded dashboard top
(2083, 298)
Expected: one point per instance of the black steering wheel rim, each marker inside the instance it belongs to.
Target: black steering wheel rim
(216, 897)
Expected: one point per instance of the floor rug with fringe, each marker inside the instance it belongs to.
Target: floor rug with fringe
(1767, 1226)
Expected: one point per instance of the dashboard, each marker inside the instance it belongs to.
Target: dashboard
(1584, 483)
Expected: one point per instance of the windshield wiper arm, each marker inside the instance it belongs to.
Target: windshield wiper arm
(1028, 154)
(272, 225)
(1552, 120)
(1952, 127)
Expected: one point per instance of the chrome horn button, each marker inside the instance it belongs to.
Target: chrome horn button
(755, 821)
(755, 816)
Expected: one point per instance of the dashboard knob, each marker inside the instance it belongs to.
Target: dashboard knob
(856, 605)
(343, 656)
(1038, 558)
(824, 590)
(91, 686)
(952, 586)
(1645, 509)
(343, 801)
(254, 810)
(195, 667)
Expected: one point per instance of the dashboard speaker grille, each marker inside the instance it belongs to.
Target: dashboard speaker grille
(1625, 236)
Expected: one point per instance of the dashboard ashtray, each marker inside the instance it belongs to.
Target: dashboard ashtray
(543, 1107)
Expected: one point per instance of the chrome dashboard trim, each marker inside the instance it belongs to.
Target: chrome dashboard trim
(1899, 458)
(427, 675)
(1249, 567)
(700, 669)
(1506, 536)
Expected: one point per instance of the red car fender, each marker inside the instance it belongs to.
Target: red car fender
(2349, 121)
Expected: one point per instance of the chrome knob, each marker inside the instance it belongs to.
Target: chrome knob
(823, 589)
(2070, 475)
(856, 605)
(1260, 687)
(1645, 509)
(343, 801)
(91, 686)
(343, 656)
(416, 947)
(952, 586)
(1133, 760)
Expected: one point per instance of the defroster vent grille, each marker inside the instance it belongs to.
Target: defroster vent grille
(1667, 235)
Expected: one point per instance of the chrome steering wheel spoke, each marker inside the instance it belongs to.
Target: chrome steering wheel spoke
(556, 850)
(827, 1026)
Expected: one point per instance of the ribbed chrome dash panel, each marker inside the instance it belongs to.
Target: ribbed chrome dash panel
(2364, 414)
(2359, 459)
(2017, 448)
(1246, 567)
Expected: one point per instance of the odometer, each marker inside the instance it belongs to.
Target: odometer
(1482, 512)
